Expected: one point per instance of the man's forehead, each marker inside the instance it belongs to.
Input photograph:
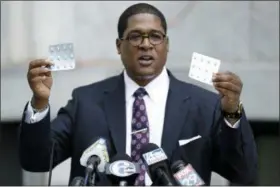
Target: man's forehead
(144, 22)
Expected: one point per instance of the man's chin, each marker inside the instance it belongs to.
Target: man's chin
(146, 77)
(147, 74)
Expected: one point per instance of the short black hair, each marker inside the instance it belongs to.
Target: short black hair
(138, 9)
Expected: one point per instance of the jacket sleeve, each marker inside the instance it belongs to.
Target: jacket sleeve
(234, 150)
(36, 140)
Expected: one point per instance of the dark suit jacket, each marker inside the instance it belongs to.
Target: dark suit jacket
(99, 110)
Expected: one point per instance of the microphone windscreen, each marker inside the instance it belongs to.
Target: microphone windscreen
(121, 168)
(177, 166)
(155, 159)
(99, 148)
(148, 147)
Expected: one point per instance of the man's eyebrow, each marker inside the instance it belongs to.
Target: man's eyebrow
(135, 30)
(141, 31)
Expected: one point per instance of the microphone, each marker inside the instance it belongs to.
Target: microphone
(158, 165)
(94, 158)
(77, 181)
(185, 175)
(122, 171)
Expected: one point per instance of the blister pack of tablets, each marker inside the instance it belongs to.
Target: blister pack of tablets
(62, 56)
(203, 67)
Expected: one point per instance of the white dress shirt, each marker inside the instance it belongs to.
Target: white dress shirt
(155, 103)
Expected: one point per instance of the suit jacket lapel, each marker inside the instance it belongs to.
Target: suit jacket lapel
(114, 107)
(177, 108)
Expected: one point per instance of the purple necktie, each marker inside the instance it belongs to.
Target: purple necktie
(139, 138)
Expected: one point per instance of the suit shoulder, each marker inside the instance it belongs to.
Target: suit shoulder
(199, 94)
(96, 87)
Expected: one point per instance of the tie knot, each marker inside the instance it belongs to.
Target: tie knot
(140, 92)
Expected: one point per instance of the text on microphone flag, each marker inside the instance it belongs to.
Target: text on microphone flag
(188, 176)
(154, 156)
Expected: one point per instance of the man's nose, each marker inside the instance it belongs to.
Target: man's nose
(146, 43)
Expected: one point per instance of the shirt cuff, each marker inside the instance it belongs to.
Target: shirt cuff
(235, 126)
(32, 117)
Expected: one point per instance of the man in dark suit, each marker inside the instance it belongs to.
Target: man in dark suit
(146, 96)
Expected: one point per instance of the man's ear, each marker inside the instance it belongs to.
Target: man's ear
(118, 45)
(167, 44)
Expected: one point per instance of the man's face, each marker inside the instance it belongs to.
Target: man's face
(145, 61)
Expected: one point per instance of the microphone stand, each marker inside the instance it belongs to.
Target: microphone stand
(93, 179)
(51, 164)
(90, 176)
(88, 173)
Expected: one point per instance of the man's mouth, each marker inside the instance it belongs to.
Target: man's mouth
(146, 60)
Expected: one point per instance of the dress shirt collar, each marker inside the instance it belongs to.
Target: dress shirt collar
(157, 89)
